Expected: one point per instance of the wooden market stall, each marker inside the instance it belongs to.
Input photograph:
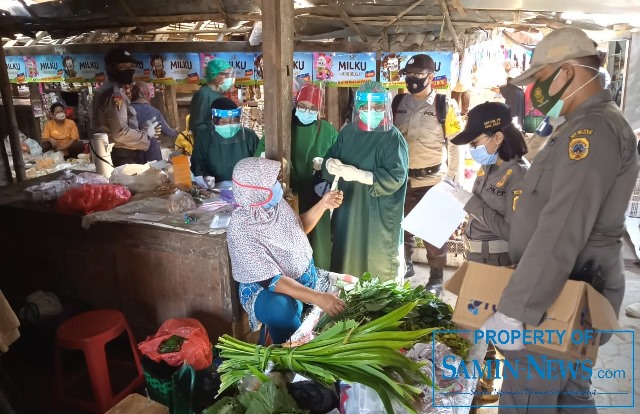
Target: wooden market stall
(154, 274)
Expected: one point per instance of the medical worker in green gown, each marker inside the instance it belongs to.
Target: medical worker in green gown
(311, 137)
(371, 160)
(218, 148)
(220, 78)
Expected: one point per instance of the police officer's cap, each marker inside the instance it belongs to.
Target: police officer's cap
(418, 63)
(484, 118)
(119, 55)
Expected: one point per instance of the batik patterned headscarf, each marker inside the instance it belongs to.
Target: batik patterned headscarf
(264, 242)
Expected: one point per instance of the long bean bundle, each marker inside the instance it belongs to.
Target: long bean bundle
(367, 354)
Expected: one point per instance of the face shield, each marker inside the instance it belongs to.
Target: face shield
(309, 103)
(372, 111)
(227, 123)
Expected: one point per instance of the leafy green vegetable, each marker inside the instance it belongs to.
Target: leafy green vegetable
(370, 298)
(171, 344)
(364, 353)
(226, 405)
(269, 399)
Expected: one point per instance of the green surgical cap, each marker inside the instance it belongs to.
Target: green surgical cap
(372, 86)
(377, 89)
(214, 67)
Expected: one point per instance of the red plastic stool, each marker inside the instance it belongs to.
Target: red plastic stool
(89, 332)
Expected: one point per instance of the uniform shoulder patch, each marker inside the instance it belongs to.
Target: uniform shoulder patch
(117, 99)
(578, 148)
(504, 178)
(516, 196)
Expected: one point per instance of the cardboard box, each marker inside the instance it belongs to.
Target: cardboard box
(579, 307)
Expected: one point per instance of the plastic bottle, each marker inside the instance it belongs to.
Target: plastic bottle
(181, 172)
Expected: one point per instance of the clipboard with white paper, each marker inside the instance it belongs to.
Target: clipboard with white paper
(436, 217)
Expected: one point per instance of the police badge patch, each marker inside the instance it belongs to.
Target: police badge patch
(578, 148)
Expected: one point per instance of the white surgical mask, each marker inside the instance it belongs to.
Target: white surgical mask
(60, 116)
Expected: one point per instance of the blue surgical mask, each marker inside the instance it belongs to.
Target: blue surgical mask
(277, 191)
(482, 156)
(306, 117)
(226, 84)
(371, 118)
(228, 131)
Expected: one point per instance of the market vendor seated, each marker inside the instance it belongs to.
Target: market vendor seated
(271, 257)
(61, 134)
(218, 148)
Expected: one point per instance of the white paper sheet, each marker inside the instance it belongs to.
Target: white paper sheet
(436, 217)
(633, 229)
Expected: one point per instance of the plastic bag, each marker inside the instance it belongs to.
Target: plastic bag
(91, 178)
(364, 400)
(138, 178)
(180, 202)
(196, 350)
(452, 123)
(89, 198)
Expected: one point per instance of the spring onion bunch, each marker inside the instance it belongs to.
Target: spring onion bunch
(367, 354)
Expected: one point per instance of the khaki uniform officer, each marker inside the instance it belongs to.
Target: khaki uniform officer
(114, 115)
(498, 146)
(571, 210)
(417, 116)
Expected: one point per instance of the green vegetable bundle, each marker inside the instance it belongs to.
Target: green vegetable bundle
(269, 399)
(367, 354)
(370, 299)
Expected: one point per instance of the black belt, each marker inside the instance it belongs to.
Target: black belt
(423, 172)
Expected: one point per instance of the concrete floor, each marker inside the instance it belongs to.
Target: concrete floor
(615, 355)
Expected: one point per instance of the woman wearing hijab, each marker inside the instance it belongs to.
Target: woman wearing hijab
(271, 257)
(371, 159)
(145, 112)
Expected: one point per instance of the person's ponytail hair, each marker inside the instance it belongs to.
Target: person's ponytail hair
(513, 145)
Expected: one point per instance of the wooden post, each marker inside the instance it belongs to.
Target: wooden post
(450, 27)
(171, 104)
(277, 49)
(14, 132)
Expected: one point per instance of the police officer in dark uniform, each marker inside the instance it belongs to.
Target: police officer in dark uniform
(114, 115)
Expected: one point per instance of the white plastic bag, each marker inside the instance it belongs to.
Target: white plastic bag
(138, 178)
(364, 400)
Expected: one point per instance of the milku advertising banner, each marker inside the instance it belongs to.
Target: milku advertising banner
(143, 70)
(392, 63)
(175, 68)
(17, 69)
(81, 68)
(243, 64)
(344, 69)
(48, 68)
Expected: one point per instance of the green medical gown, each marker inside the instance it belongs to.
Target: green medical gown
(216, 156)
(308, 142)
(200, 109)
(367, 232)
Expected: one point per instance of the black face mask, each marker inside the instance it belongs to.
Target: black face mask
(122, 76)
(415, 85)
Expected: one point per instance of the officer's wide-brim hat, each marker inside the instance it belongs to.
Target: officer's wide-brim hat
(485, 117)
(119, 55)
(560, 45)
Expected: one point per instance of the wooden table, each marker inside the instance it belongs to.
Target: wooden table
(150, 273)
